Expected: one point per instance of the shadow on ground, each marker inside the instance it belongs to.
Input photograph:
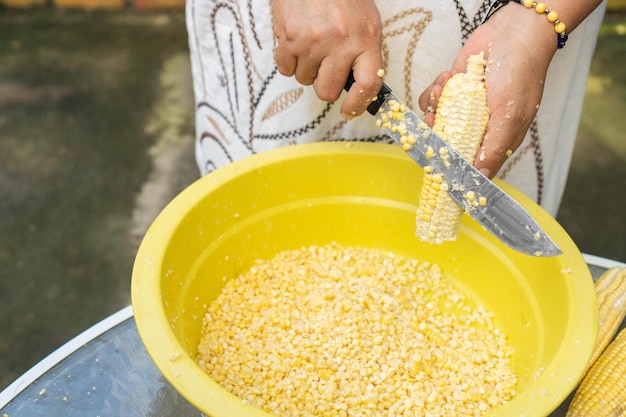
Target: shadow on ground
(96, 112)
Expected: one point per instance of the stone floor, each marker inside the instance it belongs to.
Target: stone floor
(96, 136)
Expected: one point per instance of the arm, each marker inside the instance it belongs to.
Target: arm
(320, 41)
(519, 44)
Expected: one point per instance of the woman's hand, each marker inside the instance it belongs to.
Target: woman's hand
(320, 41)
(518, 46)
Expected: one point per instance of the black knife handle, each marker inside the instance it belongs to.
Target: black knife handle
(380, 97)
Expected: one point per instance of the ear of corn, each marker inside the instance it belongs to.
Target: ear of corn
(603, 390)
(461, 120)
(611, 293)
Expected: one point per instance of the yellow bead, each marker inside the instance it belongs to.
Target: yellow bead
(552, 16)
(528, 3)
(540, 7)
(559, 27)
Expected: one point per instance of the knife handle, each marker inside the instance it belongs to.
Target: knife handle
(380, 97)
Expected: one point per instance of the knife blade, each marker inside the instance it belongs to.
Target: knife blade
(501, 215)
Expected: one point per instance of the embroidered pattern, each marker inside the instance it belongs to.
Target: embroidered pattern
(533, 146)
(400, 24)
(244, 107)
(467, 26)
(282, 103)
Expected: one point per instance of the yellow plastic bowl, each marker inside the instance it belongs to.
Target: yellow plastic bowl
(354, 194)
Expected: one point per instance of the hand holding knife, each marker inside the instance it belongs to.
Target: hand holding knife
(502, 216)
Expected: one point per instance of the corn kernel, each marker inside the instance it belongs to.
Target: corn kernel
(371, 334)
(461, 119)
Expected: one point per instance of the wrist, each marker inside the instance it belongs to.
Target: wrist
(527, 27)
(532, 19)
(551, 16)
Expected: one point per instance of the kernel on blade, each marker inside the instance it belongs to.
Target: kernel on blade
(461, 120)
(494, 209)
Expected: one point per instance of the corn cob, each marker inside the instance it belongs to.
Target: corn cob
(461, 120)
(603, 390)
(611, 293)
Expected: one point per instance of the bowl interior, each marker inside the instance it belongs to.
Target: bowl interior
(363, 195)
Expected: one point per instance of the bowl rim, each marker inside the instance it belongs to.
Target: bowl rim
(183, 373)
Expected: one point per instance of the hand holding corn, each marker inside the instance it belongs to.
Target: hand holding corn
(515, 74)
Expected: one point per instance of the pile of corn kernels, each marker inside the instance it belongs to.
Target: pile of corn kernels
(348, 331)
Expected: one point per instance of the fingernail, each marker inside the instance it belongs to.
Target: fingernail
(429, 118)
(430, 108)
(485, 171)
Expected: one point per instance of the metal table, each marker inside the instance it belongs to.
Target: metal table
(106, 371)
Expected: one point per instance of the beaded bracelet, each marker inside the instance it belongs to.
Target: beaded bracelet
(551, 15)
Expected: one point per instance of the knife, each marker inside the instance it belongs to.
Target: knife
(502, 216)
